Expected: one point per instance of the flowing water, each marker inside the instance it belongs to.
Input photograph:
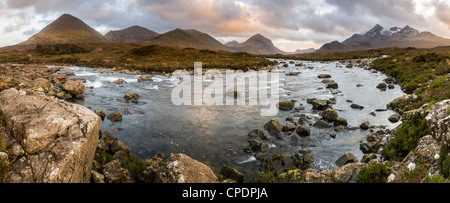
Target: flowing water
(217, 135)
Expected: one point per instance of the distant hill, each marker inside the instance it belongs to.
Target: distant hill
(231, 44)
(379, 37)
(188, 38)
(257, 44)
(305, 51)
(67, 29)
(132, 34)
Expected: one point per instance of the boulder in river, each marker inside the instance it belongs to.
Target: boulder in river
(286, 105)
(332, 85)
(321, 124)
(382, 86)
(146, 78)
(365, 125)
(340, 121)
(273, 126)
(119, 81)
(132, 97)
(101, 114)
(394, 118)
(330, 115)
(319, 104)
(115, 117)
(303, 131)
(356, 106)
(346, 159)
(323, 76)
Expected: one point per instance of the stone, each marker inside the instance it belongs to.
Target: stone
(231, 173)
(289, 127)
(365, 125)
(119, 146)
(322, 76)
(286, 105)
(255, 144)
(320, 104)
(132, 97)
(119, 81)
(303, 120)
(368, 157)
(321, 124)
(303, 131)
(273, 126)
(438, 120)
(346, 159)
(391, 86)
(339, 128)
(97, 177)
(115, 117)
(40, 82)
(394, 118)
(69, 73)
(179, 168)
(145, 78)
(114, 173)
(356, 106)
(332, 85)
(340, 121)
(74, 87)
(101, 114)
(59, 79)
(330, 115)
(60, 152)
(382, 86)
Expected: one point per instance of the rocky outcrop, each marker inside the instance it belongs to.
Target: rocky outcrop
(179, 168)
(52, 141)
(438, 120)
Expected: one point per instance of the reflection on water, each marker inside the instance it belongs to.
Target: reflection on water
(217, 134)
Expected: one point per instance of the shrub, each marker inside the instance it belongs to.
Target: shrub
(444, 161)
(406, 138)
(374, 173)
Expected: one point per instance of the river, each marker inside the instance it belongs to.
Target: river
(217, 135)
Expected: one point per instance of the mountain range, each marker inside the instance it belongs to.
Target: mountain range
(380, 37)
(69, 29)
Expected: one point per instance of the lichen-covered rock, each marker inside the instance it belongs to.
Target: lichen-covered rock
(303, 131)
(132, 97)
(58, 138)
(180, 168)
(115, 117)
(273, 126)
(59, 79)
(286, 105)
(438, 120)
(40, 82)
(74, 87)
(330, 114)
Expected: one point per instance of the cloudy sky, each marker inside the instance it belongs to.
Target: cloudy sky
(291, 24)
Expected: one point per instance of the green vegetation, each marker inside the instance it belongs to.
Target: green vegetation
(135, 166)
(374, 173)
(406, 138)
(444, 161)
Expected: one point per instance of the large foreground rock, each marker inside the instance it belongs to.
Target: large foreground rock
(58, 139)
(438, 120)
